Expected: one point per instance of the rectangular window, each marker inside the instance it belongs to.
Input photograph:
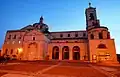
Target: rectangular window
(14, 37)
(61, 35)
(20, 37)
(100, 36)
(68, 35)
(33, 38)
(76, 35)
(9, 37)
(84, 34)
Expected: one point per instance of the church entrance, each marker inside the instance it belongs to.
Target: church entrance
(65, 53)
(32, 51)
(76, 53)
(55, 53)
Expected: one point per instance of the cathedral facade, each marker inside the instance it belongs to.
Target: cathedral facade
(35, 42)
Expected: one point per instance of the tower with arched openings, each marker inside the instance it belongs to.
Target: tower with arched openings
(36, 42)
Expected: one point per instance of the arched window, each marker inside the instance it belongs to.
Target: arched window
(93, 24)
(92, 36)
(102, 46)
(76, 53)
(55, 52)
(65, 52)
(11, 51)
(100, 36)
(108, 35)
(91, 16)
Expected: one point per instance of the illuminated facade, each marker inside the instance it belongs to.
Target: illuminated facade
(35, 42)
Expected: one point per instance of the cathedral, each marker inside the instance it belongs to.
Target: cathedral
(36, 42)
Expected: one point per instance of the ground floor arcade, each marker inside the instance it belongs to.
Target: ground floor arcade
(67, 54)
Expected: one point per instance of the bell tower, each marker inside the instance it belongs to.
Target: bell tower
(91, 17)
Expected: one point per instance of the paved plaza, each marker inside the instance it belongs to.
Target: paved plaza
(58, 69)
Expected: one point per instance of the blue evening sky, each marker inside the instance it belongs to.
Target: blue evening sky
(60, 15)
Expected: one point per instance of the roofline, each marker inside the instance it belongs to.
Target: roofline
(15, 31)
(84, 38)
(68, 31)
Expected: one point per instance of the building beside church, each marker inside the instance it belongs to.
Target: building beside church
(35, 42)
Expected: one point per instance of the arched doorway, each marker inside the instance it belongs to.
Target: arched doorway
(76, 53)
(32, 51)
(65, 52)
(55, 52)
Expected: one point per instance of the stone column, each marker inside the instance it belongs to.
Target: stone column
(60, 52)
(70, 53)
(25, 51)
(81, 54)
(50, 50)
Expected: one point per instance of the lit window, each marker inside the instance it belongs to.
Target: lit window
(19, 42)
(19, 50)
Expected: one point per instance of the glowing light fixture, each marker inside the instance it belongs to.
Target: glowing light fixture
(20, 50)
(94, 56)
(19, 42)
